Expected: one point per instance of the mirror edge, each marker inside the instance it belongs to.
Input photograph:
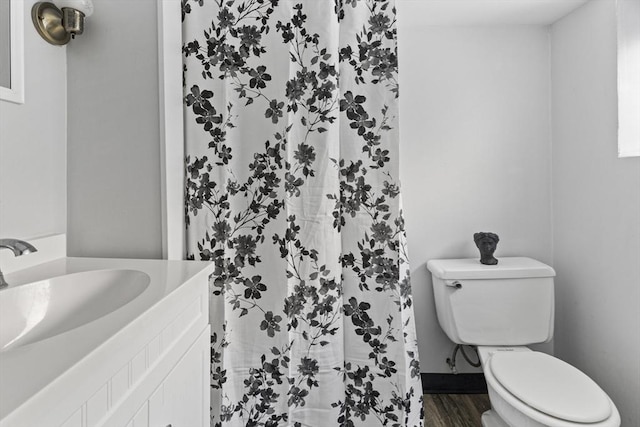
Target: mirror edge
(16, 92)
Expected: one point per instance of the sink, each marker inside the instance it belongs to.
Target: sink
(36, 311)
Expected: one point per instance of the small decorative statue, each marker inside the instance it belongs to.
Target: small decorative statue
(487, 243)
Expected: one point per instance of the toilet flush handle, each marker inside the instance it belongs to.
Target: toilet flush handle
(453, 284)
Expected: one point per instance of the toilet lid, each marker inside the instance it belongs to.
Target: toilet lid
(551, 386)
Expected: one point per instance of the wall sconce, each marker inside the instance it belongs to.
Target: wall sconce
(59, 24)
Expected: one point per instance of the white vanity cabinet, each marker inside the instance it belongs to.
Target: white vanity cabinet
(172, 378)
(144, 365)
(182, 400)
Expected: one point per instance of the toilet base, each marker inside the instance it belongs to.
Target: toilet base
(491, 419)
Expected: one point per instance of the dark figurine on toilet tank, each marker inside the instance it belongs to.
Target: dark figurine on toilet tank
(487, 243)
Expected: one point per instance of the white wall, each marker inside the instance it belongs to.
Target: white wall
(32, 143)
(114, 142)
(596, 213)
(475, 151)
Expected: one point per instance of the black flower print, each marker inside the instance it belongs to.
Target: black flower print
(270, 323)
(274, 111)
(259, 77)
(249, 40)
(308, 368)
(295, 89)
(381, 232)
(253, 287)
(225, 18)
(221, 231)
(379, 23)
(305, 155)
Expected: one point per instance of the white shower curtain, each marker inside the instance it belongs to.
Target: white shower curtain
(291, 130)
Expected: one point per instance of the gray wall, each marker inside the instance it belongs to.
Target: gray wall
(5, 44)
(475, 148)
(33, 201)
(114, 142)
(596, 211)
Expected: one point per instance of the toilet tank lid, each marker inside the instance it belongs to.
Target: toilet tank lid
(507, 268)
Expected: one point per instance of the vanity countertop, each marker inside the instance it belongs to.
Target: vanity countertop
(33, 369)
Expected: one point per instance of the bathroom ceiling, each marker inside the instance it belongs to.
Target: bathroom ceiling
(487, 12)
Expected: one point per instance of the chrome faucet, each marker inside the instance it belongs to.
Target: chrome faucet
(18, 247)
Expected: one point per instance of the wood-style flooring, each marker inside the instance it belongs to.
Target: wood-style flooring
(454, 410)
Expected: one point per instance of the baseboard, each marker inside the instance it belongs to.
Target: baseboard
(453, 383)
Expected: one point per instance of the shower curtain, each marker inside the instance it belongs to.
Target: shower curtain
(291, 130)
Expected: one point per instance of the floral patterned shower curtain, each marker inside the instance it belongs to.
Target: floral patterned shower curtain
(291, 130)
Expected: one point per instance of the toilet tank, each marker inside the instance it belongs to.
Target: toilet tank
(508, 304)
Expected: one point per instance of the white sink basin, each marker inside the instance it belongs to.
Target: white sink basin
(40, 310)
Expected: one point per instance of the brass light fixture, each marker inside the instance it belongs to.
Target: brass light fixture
(58, 24)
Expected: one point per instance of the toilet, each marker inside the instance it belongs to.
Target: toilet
(502, 309)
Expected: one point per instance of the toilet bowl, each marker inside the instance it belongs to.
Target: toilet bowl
(502, 309)
(533, 389)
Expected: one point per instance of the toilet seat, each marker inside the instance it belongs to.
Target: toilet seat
(525, 379)
(551, 386)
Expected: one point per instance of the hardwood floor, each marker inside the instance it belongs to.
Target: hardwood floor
(455, 410)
